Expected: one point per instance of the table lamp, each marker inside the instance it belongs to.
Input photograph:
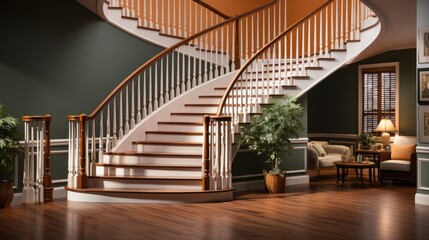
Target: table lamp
(385, 126)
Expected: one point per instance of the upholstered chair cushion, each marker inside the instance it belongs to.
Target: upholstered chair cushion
(319, 149)
(402, 152)
(395, 165)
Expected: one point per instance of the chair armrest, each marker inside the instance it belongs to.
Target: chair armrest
(312, 158)
(337, 149)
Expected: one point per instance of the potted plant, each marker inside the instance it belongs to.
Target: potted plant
(366, 140)
(9, 147)
(269, 133)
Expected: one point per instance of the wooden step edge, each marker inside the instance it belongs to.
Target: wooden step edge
(131, 18)
(149, 165)
(353, 41)
(174, 133)
(289, 86)
(201, 105)
(148, 28)
(192, 114)
(144, 190)
(301, 77)
(118, 7)
(155, 154)
(326, 59)
(338, 50)
(177, 178)
(314, 68)
(167, 143)
(181, 123)
(172, 36)
(210, 96)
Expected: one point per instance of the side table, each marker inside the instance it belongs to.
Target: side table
(358, 166)
(377, 156)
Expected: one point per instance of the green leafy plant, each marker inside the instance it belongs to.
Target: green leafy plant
(366, 140)
(270, 132)
(9, 142)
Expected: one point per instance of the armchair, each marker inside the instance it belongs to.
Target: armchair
(321, 154)
(402, 162)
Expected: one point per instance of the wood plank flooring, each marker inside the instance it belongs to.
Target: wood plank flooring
(322, 210)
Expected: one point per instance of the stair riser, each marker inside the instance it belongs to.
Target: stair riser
(201, 109)
(167, 148)
(174, 138)
(144, 184)
(187, 118)
(118, 159)
(182, 127)
(209, 100)
(147, 172)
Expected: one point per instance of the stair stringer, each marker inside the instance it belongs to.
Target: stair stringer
(341, 59)
(130, 26)
(163, 113)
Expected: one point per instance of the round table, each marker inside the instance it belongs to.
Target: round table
(357, 166)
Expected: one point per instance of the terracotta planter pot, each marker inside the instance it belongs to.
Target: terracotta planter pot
(6, 193)
(275, 183)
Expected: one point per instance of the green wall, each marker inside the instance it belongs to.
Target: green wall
(333, 103)
(58, 58)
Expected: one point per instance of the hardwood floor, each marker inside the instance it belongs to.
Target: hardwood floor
(322, 210)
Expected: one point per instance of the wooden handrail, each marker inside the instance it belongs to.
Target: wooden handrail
(167, 51)
(211, 8)
(259, 52)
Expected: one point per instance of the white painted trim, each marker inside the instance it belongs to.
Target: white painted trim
(259, 184)
(422, 199)
(59, 192)
(422, 149)
(419, 174)
(360, 91)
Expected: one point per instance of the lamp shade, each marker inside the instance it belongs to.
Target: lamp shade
(385, 125)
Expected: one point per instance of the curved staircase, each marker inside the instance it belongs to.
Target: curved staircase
(172, 140)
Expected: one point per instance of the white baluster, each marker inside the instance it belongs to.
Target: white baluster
(151, 25)
(150, 106)
(144, 14)
(139, 115)
(133, 119)
(127, 118)
(173, 66)
(114, 127)
(336, 26)
(177, 74)
(121, 128)
(326, 32)
(108, 137)
(155, 80)
(342, 25)
(174, 33)
(183, 86)
(145, 109)
(161, 90)
(132, 12)
(167, 79)
(302, 70)
(156, 15)
(179, 22)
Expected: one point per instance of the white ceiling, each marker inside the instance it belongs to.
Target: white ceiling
(398, 30)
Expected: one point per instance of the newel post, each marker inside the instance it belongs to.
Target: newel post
(206, 154)
(237, 60)
(47, 177)
(81, 175)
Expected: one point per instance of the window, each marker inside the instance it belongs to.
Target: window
(378, 95)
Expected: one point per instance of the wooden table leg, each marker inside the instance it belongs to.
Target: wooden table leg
(343, 176)
(361, 176)
(338, 174)
(370, 174)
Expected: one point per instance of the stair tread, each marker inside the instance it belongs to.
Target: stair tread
(153, 165)
(168, 143)
(144, 190)
(148, 177)
(182, 123)
(192, 113)
(174, 132)
(210, 96)
(175, 154)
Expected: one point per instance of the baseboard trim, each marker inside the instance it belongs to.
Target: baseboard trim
(59, 192)
(259, 184)
(422, 199)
